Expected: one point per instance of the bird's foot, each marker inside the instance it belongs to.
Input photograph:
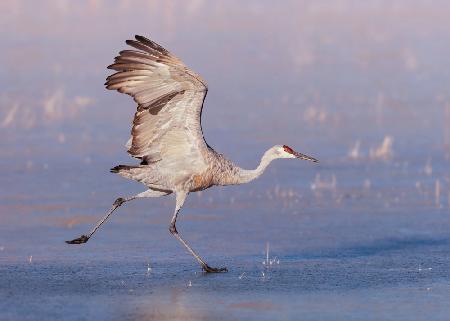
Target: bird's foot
(209, 269)
(82, 239)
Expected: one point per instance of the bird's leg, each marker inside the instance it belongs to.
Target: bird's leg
(181, 197)
(118, 202)
(84, 238)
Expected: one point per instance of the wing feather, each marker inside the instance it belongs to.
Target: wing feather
(166, 126)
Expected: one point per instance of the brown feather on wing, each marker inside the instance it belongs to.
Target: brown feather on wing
(170, 98)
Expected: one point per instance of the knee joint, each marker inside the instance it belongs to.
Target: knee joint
(173, 229)
(119, 201)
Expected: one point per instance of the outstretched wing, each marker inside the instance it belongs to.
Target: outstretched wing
(166, 126)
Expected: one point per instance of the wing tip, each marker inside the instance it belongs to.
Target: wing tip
(143, 39)
(151, 44)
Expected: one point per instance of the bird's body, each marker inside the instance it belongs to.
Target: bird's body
(218, 171)
(166, 135)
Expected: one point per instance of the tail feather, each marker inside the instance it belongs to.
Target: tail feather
(119, 168)
(141, 173)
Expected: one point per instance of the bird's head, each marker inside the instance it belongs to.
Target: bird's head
(284, 151)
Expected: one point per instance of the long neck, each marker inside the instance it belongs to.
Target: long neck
(245, 175)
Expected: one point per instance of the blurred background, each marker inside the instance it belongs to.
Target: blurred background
(361, 85)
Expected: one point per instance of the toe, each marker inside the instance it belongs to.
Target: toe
(209, 269)
(82, 239)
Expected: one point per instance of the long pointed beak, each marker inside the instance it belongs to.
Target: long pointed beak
(305, 157)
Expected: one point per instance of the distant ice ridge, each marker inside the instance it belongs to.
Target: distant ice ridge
(17, 112)
(384, 151)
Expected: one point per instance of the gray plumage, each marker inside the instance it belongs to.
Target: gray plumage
(166, 135)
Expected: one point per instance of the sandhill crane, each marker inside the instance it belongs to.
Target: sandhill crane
(166, 135)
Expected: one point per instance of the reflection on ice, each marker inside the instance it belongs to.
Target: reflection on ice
(177, 306)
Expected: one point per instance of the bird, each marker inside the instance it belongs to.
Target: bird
(166, 135)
